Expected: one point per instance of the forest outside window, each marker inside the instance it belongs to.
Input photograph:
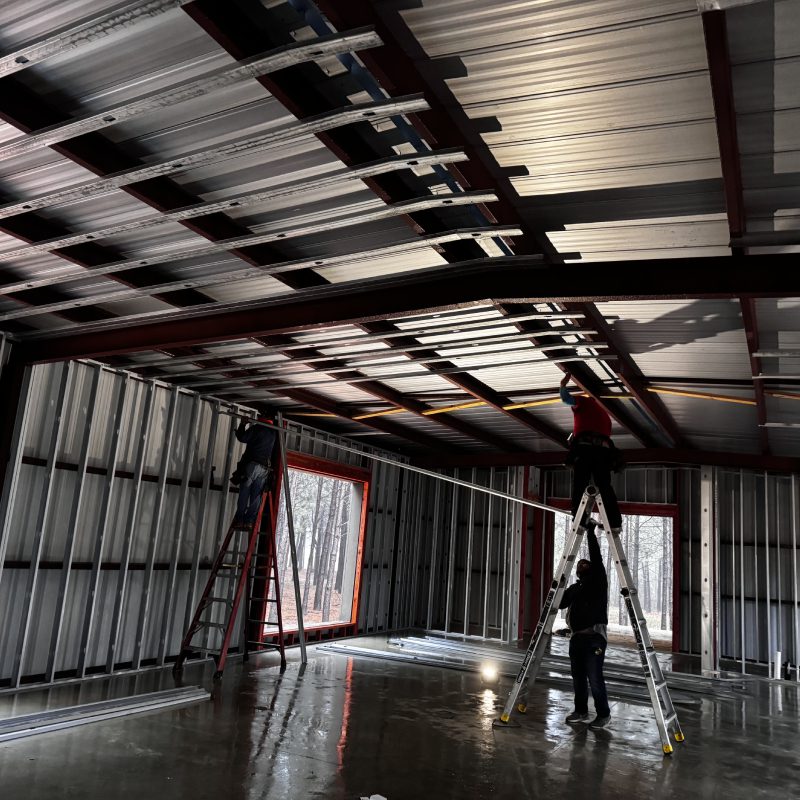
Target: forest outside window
(328, 521)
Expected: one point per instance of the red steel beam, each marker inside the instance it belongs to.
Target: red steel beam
(473, 386)
(381, 390)
(396, 65)
(431, 290)
(715, 30)
(629, 373)
(750, 321)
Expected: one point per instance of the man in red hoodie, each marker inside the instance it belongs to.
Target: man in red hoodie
(592, 453)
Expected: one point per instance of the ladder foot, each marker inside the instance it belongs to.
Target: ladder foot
(522, 708)
(505, 717)
(679, 737)
(667, 749)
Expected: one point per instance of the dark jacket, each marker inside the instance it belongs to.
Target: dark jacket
(259, 440)
(587, 599)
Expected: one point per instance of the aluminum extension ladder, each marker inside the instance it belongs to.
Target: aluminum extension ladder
(246, 566)
(666, 718)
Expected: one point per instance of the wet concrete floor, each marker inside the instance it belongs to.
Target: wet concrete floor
(352, 728)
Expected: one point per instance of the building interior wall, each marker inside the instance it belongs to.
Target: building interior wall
(752, 578)
(115, 502)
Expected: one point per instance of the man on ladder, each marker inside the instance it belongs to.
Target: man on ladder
(587, 616)
(593, 456)
(253, 468)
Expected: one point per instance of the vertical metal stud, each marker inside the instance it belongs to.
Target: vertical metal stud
(795, 595)
(155, 530)
(451, 555)
(468, 565)
(298, 598)
(130, 523)
(434, 537)
(708, 648)
(72, 526)
(766, 571)
(741, 570)
(24, 414)
(205, 491)
(166, 618)
(487, 567)
(778, 588)
(42, 522)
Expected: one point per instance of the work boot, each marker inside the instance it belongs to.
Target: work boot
(599, 722)
(576, 717)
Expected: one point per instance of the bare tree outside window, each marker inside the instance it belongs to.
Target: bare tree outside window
(648, 545)
(327, 522)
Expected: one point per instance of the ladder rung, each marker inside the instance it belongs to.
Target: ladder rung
(262, 644)
(206, 650)
(660, 686)
(207, 624)
(261, 622)
(212, 599)
(670, 718)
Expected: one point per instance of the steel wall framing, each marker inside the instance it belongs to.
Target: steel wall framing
(116, 500)
(459, 571)
(754, 568)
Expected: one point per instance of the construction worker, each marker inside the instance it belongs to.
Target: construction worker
(253, 468)
(587, 617)
(592, 454)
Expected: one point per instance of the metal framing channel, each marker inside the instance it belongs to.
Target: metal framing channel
(288, 227)
(451, 555)
(181, 523)
(191, 592)
(795, 595)
(487, 572)
(708, 648)
(741, 572)
(21, 421)
(468, 564)
(505, 558)
(277, 137)
(42, 522)
(298, 597)
(235, 275)
(434, 537)
(368, 561)
(138, 471)
(84, 32)
(394, 542)
(155, 529)
(388, 545)
(779, 648)
(215, 80)
(77, 505)
(768, 597)
(414, 560)
(755, 569)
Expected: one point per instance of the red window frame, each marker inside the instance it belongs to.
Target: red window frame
(642, 509)
(330, 469)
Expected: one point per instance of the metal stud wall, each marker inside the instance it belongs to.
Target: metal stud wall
(739, 558)
(461, 555)
(115, 502)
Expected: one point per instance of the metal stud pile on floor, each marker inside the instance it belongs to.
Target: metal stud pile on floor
(57, 719)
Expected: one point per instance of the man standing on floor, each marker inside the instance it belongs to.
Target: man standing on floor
(587, 617)
(592, 454)
(253, 468)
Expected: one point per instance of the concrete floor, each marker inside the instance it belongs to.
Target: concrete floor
(353, 728)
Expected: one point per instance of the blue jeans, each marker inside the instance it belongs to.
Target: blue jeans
(587, 651)
(250, 491)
